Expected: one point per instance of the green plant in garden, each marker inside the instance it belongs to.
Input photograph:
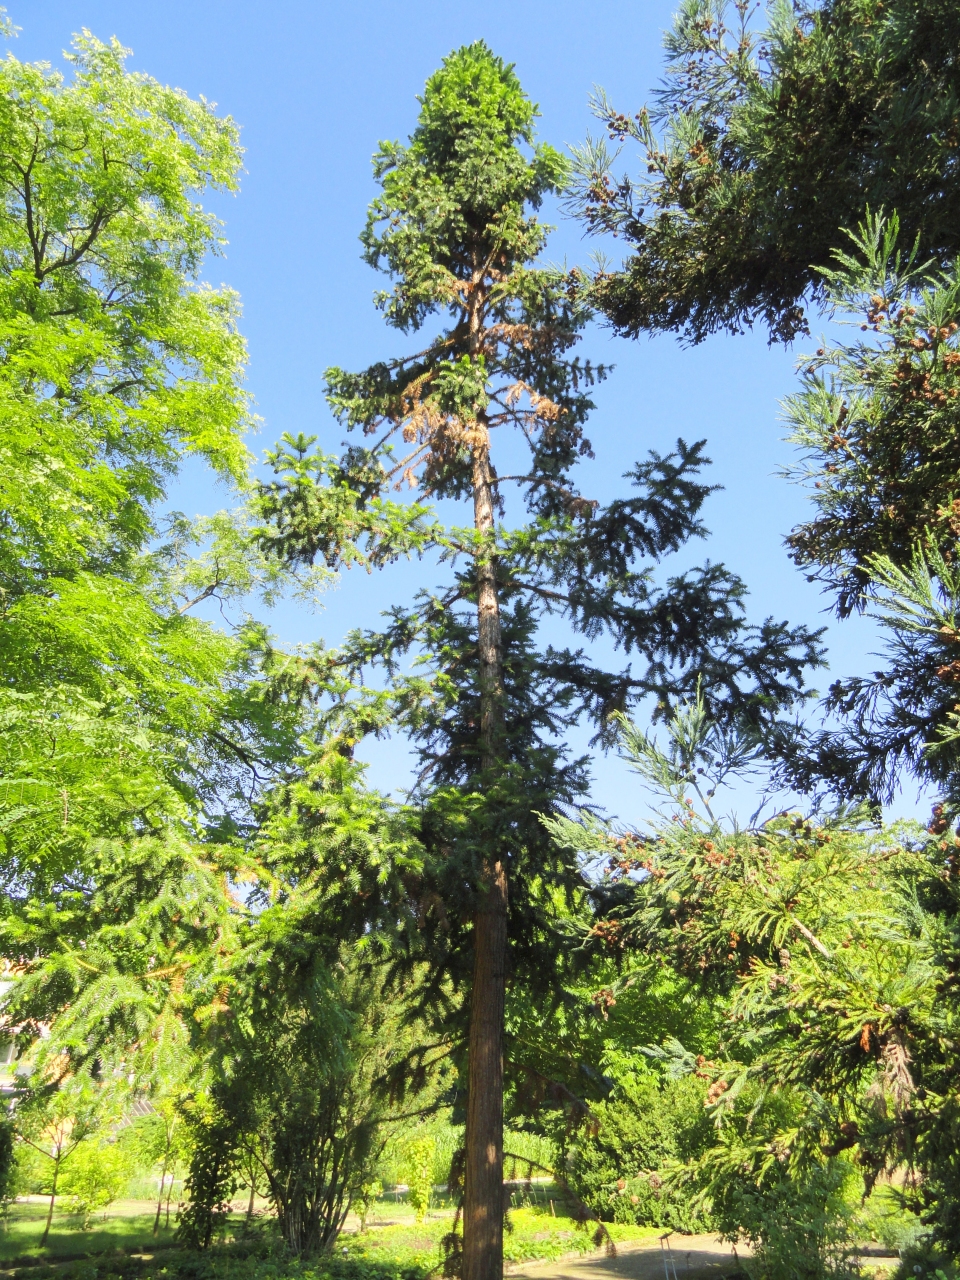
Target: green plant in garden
(94, 1177)
(797, 1222)
(418, 1169)
(298, 1033)
(772, 144)
(159, 973)
(368, 1194)
(162, 1139)
(121, 967)
(834, 944)
(54, 1120)
(617, 1161)
(767, 138)
(455, 228)
(295, 1093)
(134, 737)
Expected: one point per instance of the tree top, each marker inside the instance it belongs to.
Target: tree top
(454, 200)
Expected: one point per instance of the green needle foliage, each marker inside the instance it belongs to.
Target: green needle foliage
(295, 1096)
(255, 1015)
(762, 145)
(876, 421)
(833, 946)
(297, 1028)
(486, 702)
(877, 416)
(118, 966)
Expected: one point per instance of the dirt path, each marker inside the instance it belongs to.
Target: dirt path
(673, 1258)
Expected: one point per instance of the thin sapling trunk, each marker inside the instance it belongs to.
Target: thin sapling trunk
(53, 1197)
(163, 1179)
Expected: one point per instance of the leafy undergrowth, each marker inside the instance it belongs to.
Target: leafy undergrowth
(222, 1263)
(404, 1250)
(534, 1235)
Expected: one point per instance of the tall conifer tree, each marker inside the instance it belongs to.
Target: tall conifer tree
(454, 227)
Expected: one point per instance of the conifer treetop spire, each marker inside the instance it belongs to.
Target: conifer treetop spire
(456, 198)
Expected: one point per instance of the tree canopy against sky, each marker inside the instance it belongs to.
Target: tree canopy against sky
(813, 159)
(875, 418)
(487, 704)
(291, 316)
(116, 365)
(133, 735)
(762, 146)
(137, 941)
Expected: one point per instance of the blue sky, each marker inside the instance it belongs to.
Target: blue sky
(314, 86)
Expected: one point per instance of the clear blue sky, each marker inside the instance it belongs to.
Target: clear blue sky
(314, 86)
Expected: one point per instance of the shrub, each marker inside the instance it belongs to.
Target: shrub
(94, 1177)
(617, 1165)
(797, 1221)
(884, 1217)
(418, 1164)
(230, 1263)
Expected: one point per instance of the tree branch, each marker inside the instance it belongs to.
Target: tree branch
(811, 938)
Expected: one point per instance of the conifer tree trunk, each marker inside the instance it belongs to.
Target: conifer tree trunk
(483, 1171)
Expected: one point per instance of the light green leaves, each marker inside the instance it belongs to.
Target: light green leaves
(127, 724)
(228, 565)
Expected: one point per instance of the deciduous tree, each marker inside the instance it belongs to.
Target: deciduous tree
(122, 713)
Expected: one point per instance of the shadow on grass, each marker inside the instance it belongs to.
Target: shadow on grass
(23, 1228)
(242, 1260)
(122, 1245)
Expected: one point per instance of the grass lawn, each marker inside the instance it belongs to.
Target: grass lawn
(127, 1224)
(393, 1244)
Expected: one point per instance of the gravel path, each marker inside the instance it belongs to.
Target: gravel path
(671, 1258)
